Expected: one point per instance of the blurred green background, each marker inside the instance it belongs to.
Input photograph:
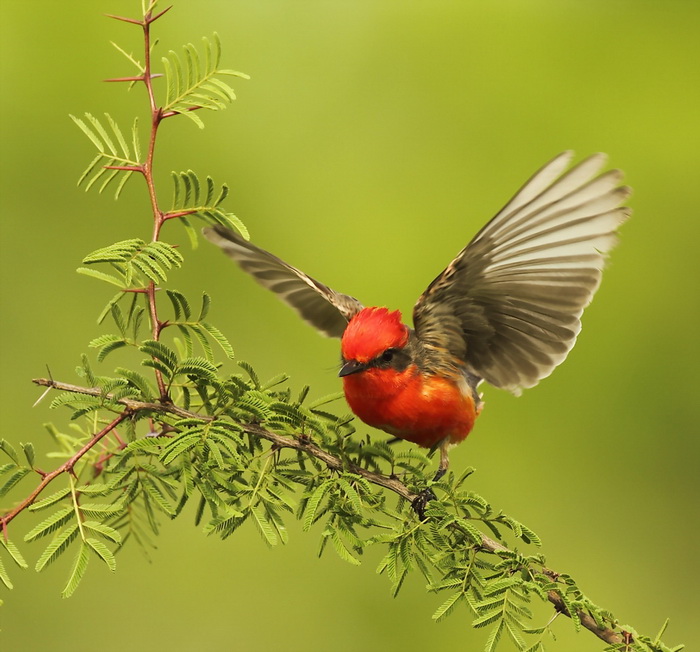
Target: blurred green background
(373, 140)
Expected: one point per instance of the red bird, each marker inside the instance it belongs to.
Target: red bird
(506, 310)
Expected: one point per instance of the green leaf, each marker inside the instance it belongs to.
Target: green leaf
(193, 85)
(180, 445)
(57, 520)
(536, 647)
(473, 532)
(14, 552)
(446, 608)
(264, 526)
(9, 450)
(59, 544)
(79, 568)
(108, 154)
(180, 304)
(515, 636)
(138, 381)
(219, 338)
(13, 479)
(28, 449)
(493, 638)
(50, 500)
(251, 373)
(351, 494)
(155, 492)
(105, 530)
(324, 400)
(313, 503)
(197, 367)
(4, 577)
(341, 548)
(101, 510)
(161, 352)
(103, 552)
(137, 260)
(487, 618)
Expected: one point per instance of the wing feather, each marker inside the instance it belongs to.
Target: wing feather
(318, 305)
(517, 291)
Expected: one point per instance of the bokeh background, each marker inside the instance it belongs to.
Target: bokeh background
(373, 140)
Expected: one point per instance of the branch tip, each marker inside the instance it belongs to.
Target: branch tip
(133, 21)
(152, 19)
(136, 78)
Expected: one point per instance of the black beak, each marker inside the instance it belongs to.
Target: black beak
(351, 367)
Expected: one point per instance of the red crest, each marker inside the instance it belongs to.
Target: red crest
(371, 332)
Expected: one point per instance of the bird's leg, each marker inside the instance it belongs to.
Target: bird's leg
(444, 460)
(420, 502)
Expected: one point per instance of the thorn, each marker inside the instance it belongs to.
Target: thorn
(138, 78)
(125, 79)
(41, 398)
(157, 16)
(133, 21)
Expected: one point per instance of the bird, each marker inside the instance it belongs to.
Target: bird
(506, 310)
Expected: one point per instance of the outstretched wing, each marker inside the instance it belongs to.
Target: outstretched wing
(510, 303)
(318, 305)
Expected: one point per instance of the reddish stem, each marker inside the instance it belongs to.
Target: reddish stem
(147, 170)
(170, 216)
(67, 467)
(125, 168)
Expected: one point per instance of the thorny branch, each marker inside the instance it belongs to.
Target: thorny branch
(302, 444)
(66, 467)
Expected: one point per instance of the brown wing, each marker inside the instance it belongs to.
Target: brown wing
(510, 303)
(318, 305)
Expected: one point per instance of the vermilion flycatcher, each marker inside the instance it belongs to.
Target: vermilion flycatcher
(506, 310)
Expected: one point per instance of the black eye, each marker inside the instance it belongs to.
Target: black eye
(388, 355)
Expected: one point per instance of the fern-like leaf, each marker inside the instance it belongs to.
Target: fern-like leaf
(161, 352)
(103, 552)
(14, 552)
(195, 84)
(136, 262)
(59, 544)
(202, 200)
(51, 524)
(78, 571)
(118, 154)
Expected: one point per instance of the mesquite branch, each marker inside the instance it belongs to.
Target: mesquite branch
(146, 168)
(303, 444)
(66, 467)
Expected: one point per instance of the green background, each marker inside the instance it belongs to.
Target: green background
(373, 140)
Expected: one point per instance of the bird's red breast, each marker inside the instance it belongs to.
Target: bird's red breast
(411, 405)
(397, 393)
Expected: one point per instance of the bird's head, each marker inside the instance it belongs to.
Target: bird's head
(373, 336)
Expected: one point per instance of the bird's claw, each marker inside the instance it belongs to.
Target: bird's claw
(420, 502)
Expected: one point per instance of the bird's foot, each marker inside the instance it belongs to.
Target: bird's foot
(420, 502)
(439, 473)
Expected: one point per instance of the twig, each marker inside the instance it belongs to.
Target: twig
(332, 461)
(64, 468)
